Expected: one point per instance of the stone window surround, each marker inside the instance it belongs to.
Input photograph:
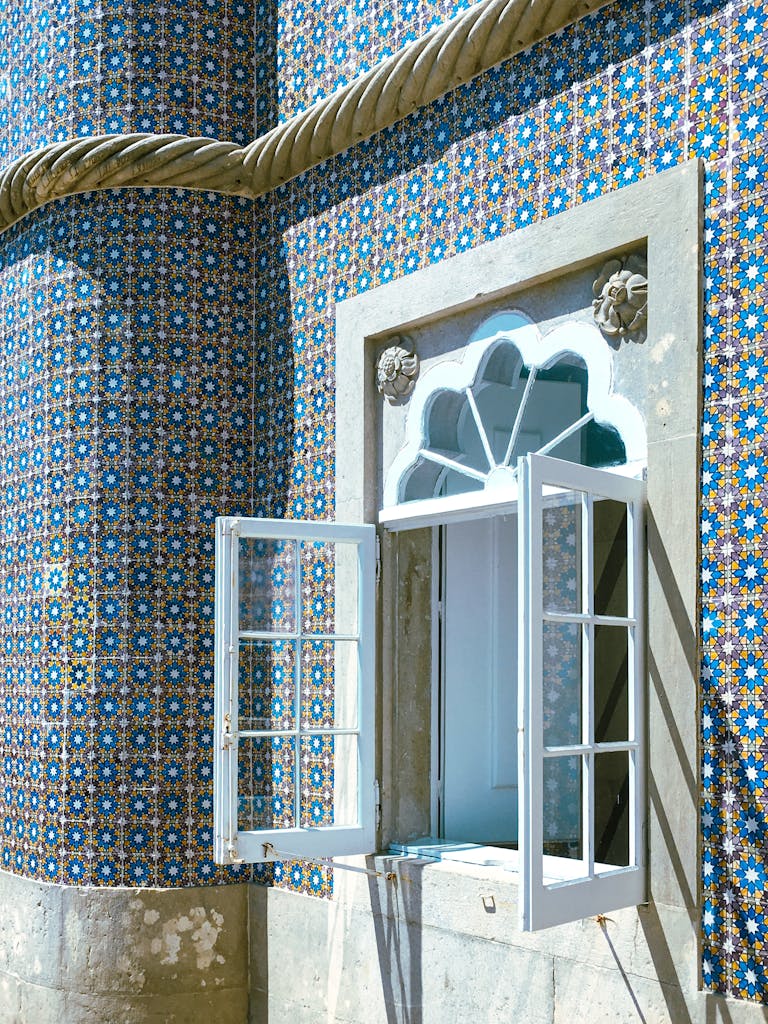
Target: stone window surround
(663, 214)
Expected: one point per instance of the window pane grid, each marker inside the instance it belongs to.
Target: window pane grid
(298, 636)
(588, 619)
(302, 768)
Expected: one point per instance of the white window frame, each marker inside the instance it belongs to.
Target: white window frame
(231, 844)
(583, 888)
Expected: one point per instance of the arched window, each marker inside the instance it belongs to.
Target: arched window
(513, 393)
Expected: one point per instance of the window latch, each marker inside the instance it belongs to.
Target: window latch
(227, 736)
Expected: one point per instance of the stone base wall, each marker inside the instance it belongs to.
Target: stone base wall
(73, 955)
(440, 945)
(434, 944)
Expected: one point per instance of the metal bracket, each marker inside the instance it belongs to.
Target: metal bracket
(227, 736)
(233, 853)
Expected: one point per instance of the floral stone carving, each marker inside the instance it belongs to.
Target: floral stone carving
(621, 297)
(396, 372)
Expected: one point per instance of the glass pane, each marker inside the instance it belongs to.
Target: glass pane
(266, 783)
(611, 684)
(562, 807)
(329, 684)
(267, 684)
(612, 808)
(329, 781)
(423, 481)
(557, 401)
(329, 587)
(267, 582)
(602, 446)
(561, 553)
(610, 569)
(454, 482)
(561, 683)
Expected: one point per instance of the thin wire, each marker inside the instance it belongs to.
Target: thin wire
(274, 854)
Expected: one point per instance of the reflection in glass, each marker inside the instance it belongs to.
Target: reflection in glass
(612, 808)
(562, 807)
(267, 684)
(266, 783)
(329, 596)
(561, 683)
(561, 554)
(610, 554)
(330, 786)
(267, 585)
(329, 684)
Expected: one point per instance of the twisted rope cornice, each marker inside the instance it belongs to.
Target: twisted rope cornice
(448, 56)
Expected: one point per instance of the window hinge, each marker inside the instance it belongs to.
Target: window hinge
(233, 852)
(378, 560)
(377, 797)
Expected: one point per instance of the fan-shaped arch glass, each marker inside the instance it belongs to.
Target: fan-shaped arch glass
(513, 392)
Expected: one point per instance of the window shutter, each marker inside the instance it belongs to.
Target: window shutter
(581, 606)
(294, 689)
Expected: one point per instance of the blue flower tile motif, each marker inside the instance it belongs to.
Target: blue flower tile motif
(169, 355)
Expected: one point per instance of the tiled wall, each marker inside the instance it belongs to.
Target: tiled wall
(89, 67)
(122, 297)
(323, 44)
(126, 426)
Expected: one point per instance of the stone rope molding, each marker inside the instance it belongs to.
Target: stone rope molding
(439, 61)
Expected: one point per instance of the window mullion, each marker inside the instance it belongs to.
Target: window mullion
(232, 565)
(588, 680)
(298, 677)
(588, 824)
(635, 666)
(519, 418)
(587, 629)
(480, 429)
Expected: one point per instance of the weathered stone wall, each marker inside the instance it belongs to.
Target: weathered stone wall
(75, 955)
(441, 943)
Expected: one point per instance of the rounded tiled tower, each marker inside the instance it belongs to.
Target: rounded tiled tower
(127, 417)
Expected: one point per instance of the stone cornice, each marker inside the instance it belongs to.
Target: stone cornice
(444, 58)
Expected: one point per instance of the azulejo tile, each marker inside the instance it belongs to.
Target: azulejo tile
(113, 482)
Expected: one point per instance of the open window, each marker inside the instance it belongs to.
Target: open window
(646, 393)
(540, 673)
(581, 639)
(539, 583)
(294, 690)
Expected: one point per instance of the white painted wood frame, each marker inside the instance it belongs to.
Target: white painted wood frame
(555, 890)
(232, 844)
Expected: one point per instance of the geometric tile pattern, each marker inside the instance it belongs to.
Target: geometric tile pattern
(166, 355)
(89, 67)
(126, 426)
(324, 44)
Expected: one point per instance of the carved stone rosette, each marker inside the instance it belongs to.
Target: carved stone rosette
(396, 371)
(621, 297)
